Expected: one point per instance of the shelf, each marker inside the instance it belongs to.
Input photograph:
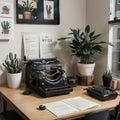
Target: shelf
(114, 21)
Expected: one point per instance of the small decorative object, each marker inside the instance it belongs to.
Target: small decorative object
(84, 46)
(14, 66)
(37, 11)
(5, 26)
(107, 78)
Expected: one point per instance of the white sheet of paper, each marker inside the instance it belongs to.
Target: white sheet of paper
(31, 46)
(60, 108)
(70, 105)
(46, 46)
(80, 103)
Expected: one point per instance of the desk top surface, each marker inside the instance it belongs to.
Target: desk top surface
(28, 104)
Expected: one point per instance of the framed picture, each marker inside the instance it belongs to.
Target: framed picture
(6, 28)
(6, 10)
(37, 11)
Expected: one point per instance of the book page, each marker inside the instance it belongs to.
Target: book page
(80, 103)
(70, 105)
(60, 108)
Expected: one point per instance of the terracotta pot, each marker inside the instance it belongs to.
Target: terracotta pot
(27, 15)
(5, 31)
(48, 15)
(5, 12)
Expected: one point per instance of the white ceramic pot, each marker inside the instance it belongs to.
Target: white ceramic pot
(86, 69)
(14, 79)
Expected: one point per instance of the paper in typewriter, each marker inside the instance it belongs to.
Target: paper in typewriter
(70, 105)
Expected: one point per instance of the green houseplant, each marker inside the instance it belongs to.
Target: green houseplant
(48, 9)
(107, 78)
(27, 8)
(5, 26)
(13, 66)
(84, 45)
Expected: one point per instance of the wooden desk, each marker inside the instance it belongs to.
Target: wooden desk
(27, 106)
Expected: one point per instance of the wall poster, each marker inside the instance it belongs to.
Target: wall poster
(6, 20)
(37, 11)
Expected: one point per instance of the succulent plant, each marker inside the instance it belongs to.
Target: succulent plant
(5, 8)
(5, 25)
(107, 73)
(13, 64)
(48, 8)
(26, 6)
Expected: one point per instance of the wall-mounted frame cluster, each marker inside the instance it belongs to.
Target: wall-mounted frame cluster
(6, 20)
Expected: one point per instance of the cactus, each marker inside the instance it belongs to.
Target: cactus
(5, 8)
(48, 8)
(5, 25)
(12, 64)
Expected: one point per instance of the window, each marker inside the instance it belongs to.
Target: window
(114, 37)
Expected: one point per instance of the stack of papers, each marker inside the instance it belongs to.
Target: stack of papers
(70, 105)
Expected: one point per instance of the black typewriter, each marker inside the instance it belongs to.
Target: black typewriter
(102, 93)
(47, 77)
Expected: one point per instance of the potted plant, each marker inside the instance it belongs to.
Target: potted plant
(13, 66)
(5, 26)
(84, 46)
(107, 78)
(48, 9)
(5, 10)
(27, 8)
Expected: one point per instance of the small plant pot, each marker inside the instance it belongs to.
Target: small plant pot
(14, 80)
(27, 15)
(107, 81)
(5, 31)
(5, 12)
(48, 15)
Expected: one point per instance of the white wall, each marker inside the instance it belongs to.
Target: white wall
(72, 15)
(97, 16)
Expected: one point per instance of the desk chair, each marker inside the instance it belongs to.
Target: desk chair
(116, 113)
(10, 115)
(102, 114)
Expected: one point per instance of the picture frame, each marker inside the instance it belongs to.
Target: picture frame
(6, 10)
(39, 12)
(6, 28)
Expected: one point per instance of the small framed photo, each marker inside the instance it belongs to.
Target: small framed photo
(6, 9)
(6, 28)
(37, 11)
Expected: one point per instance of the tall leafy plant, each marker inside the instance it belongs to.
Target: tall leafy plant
(84, 44)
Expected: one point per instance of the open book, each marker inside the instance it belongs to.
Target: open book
(70, 105)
